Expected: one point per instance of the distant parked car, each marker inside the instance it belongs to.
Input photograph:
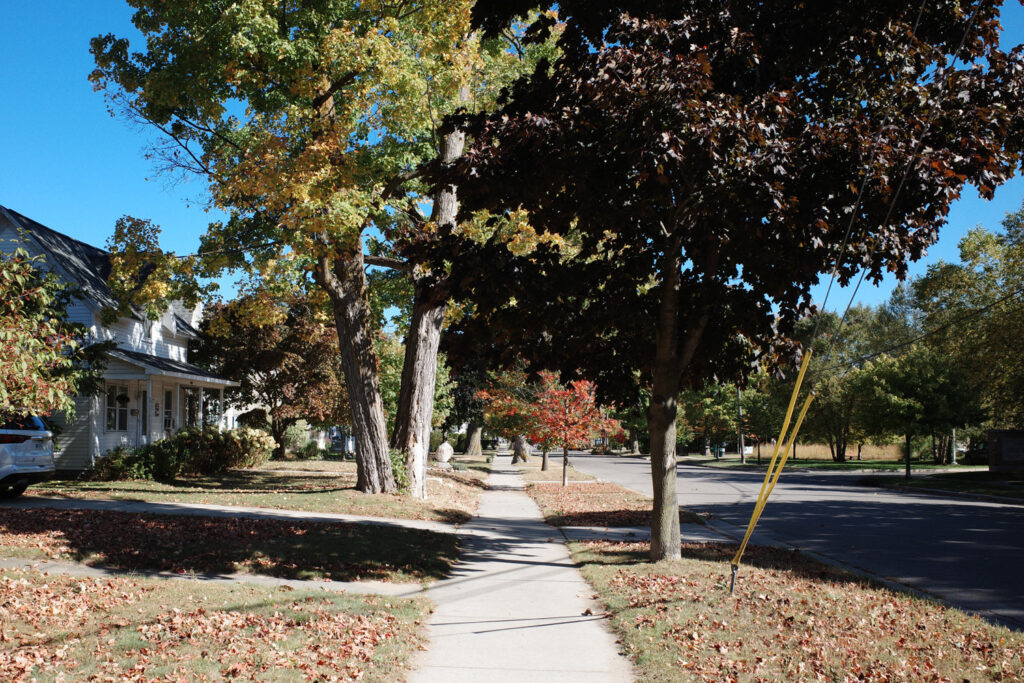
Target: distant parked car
(26, 455)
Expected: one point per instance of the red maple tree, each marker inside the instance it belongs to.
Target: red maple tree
(567, 416)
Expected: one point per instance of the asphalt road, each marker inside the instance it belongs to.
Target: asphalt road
(967, 553)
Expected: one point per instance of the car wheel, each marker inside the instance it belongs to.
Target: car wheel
(13, 491)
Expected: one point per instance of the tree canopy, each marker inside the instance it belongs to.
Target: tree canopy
(705, 163)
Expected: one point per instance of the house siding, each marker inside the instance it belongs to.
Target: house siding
(150, 415)
(73, 445)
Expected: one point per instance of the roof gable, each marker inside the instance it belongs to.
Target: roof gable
(84, 265)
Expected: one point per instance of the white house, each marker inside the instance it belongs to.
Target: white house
(151, 390)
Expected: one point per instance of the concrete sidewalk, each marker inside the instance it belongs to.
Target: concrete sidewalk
(516, 608)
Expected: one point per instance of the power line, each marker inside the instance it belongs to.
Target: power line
(906, 171)
(924, 335)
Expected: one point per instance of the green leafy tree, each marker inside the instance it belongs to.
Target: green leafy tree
(704, 161)
(712, 413)
(309, 120)
(976, 315)
(920, 393)
(44, 362)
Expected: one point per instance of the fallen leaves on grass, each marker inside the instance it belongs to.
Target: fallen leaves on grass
(453, 499)
(294, 549)
(56, 626)
(792, 619)
(594, 504)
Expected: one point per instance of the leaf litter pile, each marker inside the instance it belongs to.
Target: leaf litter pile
(595, 504)
(291, 549)
(792, 619)
(73, 628)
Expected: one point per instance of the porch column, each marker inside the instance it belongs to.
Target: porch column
(149, 410)
(220, 407)
(180, 421)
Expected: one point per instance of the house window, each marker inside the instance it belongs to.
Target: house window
(117, 408)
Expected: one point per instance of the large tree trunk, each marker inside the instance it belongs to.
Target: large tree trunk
(520, 449)
(661, 414)
(634, 441)
(419, 375)
(474, 432)
(345, 282)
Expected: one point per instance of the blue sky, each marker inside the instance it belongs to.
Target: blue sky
(69, 165)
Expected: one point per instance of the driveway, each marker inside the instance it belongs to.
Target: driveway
(968, 553)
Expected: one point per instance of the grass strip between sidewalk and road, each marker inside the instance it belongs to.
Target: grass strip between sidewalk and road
(74, 628)
(310, 485)
(983, 483)
(792, 619)
(202, 545)
(588, 502)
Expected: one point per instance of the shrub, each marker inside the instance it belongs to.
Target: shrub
(460, 444)
(311, 451)
(398, 467)
(122, 463)
(191, 451)
(436, 439)
(295, 438)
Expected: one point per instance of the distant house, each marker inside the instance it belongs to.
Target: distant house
(151, 391)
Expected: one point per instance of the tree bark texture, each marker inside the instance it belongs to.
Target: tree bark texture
(565, 466)
(670, 360)
(345, 282)
(416, 396)
(544, 461)
(474, 432)
(520, 449)
(419, 372)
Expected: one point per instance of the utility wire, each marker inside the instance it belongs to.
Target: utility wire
(903, 178)
(857, 362)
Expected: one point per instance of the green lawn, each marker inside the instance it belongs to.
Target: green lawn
(733, 461)
(792, 619)
(292, 549)
(315, 486)
(1008, 484)
(73, 628)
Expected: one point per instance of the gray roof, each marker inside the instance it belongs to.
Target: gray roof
(184, 328)
(168, 366)
(85, 265)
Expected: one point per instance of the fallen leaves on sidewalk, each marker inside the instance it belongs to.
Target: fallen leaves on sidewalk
(126, 629)
(594, 504)
(792, 619)
(293, 549)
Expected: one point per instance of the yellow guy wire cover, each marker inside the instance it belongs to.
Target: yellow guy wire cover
(769, 481)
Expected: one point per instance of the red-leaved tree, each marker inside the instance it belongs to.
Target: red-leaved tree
(567, 416)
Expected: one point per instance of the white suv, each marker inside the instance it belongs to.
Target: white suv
(26, 455)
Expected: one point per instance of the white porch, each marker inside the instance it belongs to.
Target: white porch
(145, 399)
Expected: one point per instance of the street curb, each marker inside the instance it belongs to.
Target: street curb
(939, 493)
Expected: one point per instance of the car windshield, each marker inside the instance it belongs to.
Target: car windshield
(30, 423)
